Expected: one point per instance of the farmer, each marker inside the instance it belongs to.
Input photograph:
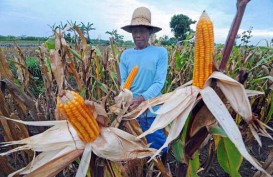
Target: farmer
(152, 65)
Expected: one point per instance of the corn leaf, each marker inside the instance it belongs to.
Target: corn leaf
(220, 112)
(178, 145)
(193, 166)
(57, 67)
(5, 71)
(176, 106)
(262, 78)
(83, 40)
(178, 150)
(253, 93)
(147, 104)
(85, 161)
(270, 113)
(178, 123)
(117, 145)
(229, 157)
(53, 167)
(50, 44)
(216, 130)
(117, 168)
(75, 54)
(235, 94)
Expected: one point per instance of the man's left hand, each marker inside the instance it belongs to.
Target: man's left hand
(136, 102)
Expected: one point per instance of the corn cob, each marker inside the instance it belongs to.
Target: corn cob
(203, 50)
(72, 106)
(130, 78)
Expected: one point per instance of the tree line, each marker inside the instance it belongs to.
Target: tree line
(179, 24)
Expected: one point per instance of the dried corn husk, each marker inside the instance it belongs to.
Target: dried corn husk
(61, 138)
(179, 104)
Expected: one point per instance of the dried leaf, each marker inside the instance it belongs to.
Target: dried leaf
(85, 160)
(3, 111)
(25, 102)
(181, 100)
(148, 104)
(178, 124)
(117, 145)
(5, 167)
(84, 43)
(112, 144)
(53, 167)
(235, 93)
(57, 67)
(220, 112)
(23, 73)
(5, 72)
(19, 71)
(268, 165)
(203, 118)
(71, 69)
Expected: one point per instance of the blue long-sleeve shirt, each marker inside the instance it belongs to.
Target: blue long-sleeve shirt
(152, 70)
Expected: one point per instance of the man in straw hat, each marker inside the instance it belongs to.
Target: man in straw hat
(152, 65)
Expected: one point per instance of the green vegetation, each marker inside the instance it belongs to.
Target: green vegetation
(180, 25)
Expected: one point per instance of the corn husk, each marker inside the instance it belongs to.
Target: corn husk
(237, 96)
(61, 138)
(168, 111)
(148, 104)
(177, 108)
(122, 102)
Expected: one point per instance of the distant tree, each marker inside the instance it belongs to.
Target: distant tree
(165, 40)
(86, 29)
(116, 37)
(180, 25)
(245, 37)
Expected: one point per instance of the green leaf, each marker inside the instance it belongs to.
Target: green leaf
(75, 54)
(193, 166)
(116, 168)
(103, 87)
(178, 150)
(178, 145)
(50, 43)
(216, 130)
(97, 50)
(229, 157)
(266, 77)
(178, 61)
(270, 113)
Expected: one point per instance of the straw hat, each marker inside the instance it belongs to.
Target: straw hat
(141, 17)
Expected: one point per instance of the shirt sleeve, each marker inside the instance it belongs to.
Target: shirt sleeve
(160, 77)
(123, 68)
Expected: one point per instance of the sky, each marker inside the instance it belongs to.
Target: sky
(33, 17)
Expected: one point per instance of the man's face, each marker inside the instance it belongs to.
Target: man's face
(141, 36)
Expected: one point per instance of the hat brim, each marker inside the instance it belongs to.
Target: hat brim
(128, 28)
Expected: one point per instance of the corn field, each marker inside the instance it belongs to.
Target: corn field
(32, 77)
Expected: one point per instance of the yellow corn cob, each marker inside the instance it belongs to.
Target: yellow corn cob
(130, 78)
(72, 106)
(203, 50)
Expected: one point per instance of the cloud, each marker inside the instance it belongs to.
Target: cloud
(32, 17)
